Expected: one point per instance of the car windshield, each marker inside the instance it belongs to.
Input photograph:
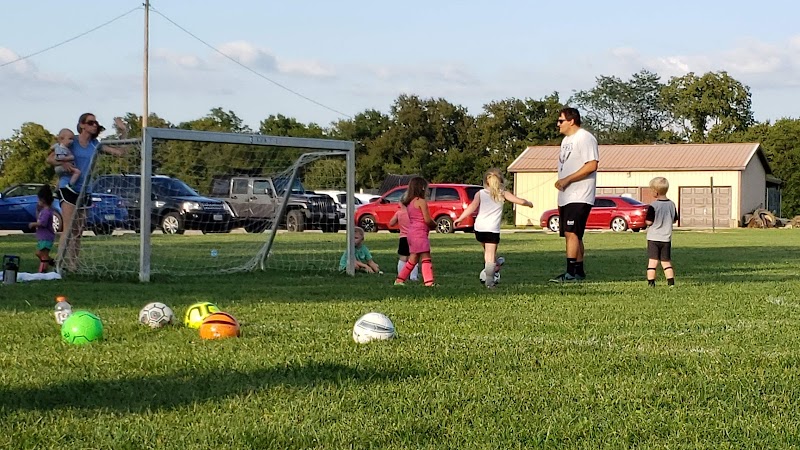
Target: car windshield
(297, 186)
(632, 201)
(170, 187)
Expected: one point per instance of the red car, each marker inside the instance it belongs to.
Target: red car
(445, 202)
(616, 213)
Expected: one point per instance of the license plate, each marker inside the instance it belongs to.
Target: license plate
(110, 217)
(217, 216)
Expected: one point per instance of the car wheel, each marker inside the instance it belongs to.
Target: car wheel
(444, 225)
(58, 222)
(619, 224)
(103, 229)
(256, 226)
(367, 222)
(330, 227)
(295, 222)
(553, 224)
(171, 223)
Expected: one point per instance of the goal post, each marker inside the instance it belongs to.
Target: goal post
(251, 184)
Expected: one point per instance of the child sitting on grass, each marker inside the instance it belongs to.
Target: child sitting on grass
(364, 261)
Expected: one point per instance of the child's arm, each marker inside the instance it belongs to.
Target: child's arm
(476, 201)
(423, 206)
(651, 215)
(374, 266)
(394, 219)
(519, 201)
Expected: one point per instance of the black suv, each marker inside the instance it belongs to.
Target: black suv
(176, 207)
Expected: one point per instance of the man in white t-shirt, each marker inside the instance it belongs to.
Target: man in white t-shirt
(577, 180)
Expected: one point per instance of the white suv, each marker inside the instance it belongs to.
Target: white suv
(340, 198)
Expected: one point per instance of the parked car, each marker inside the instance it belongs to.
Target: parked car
(367, 198)
(340, 198)
(614, 212)
(18, 209)
(175, 207)
(256, 200)
(445, 202)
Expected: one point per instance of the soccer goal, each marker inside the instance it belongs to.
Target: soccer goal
(215, 203)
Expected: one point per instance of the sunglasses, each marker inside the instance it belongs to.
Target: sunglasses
(560, 121)
(92, 122)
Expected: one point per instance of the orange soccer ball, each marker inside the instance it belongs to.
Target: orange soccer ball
(219, 325)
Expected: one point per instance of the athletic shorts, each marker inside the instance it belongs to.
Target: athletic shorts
(572, 218)
(71, 197)
(402, 247)
(661, 251)
(44, 245)
(487, 237)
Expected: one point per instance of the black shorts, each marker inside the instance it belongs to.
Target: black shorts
(402, 247)
(661, 251)
(71, 197)
(487, 237)
(572, 218)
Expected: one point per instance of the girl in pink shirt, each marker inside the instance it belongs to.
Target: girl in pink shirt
(400, 219)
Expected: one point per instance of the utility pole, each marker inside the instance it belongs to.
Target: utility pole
(146, 87)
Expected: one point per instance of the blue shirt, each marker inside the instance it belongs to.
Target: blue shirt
(83, 161)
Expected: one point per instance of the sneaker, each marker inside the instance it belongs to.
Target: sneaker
(564, 278)
(399, 283)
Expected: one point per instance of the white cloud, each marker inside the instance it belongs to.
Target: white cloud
(248, 54)
(28, 79)
(191, 62)
(755, 63)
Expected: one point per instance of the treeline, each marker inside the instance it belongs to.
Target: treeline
(444, 143)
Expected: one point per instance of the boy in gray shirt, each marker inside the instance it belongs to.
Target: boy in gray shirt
(661, 214)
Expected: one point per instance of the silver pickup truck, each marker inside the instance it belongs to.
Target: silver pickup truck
(256, 200)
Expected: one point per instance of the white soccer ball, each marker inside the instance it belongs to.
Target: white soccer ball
(373, 326)
(483, 277)
(156, 315)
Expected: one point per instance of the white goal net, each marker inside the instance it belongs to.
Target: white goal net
(217, 203)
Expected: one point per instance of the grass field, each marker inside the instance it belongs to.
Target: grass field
(608, 363)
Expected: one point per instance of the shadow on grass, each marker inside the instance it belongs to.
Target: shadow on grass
(186, 387)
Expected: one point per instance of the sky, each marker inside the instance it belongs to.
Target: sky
(321, 61)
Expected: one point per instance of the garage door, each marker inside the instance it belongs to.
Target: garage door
(695, 207)
(626, 191)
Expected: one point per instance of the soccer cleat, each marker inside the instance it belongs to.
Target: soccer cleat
(500, 261)
(564, 278)
(399, 283)
(580, 277)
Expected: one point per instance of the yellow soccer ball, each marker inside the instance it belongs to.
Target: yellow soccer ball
(197, 312)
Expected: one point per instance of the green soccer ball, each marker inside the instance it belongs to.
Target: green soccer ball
(197, 312)
(82, 327)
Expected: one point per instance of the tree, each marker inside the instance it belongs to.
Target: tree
(710, 106)
(24, 154)
(625, 112)
(364, 129)
(781, 144)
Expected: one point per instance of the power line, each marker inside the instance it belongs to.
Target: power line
(253, 71)
(22, 58)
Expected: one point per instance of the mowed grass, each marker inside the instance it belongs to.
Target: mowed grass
(608, 363)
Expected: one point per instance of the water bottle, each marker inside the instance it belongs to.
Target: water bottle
(63, 309)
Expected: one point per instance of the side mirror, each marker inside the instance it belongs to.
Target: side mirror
(382, 200)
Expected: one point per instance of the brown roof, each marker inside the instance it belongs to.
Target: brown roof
(635, 158)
